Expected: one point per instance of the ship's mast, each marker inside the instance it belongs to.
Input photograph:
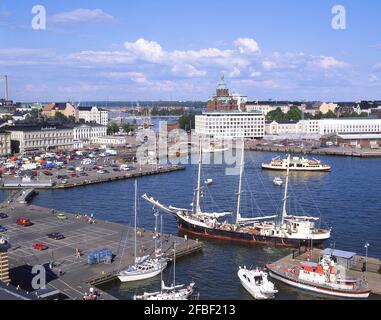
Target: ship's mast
(238, 214)
(198, 191)
(284, 212)
(135, 205)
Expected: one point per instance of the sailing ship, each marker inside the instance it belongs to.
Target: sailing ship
(290, 231)
(323, 278)
(174, 292)
(143, 267)
(256, 282)
(296, 164)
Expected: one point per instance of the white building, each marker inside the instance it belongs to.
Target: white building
(112, 140)
(266, 108)
(88, 133)
(93, 115)
(40, 137)
(228, 125)
(326, 126)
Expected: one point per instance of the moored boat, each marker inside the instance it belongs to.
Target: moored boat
(296, 164)
(256, 283)
(323, 278)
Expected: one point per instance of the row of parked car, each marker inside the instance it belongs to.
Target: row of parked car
(25, 222)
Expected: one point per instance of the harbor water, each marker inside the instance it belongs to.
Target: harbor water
(346, 199)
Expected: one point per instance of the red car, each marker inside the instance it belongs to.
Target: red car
(39, 246)
(74, 175)
(24, 222)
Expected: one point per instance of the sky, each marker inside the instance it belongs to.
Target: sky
(177, 49)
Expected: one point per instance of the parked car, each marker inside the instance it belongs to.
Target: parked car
(56, 236)
(3, 229)
(39, 246)
(3, 215)
(24, 222)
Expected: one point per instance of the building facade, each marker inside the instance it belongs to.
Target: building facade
(88, 133)
(66, 109)
(266, 108)
(93, 115)
(228, 125)
(327, 127)
(27, 138)
(5, 143)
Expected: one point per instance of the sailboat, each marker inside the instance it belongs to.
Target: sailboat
(290, 231)
(174, 292)
(143, 267)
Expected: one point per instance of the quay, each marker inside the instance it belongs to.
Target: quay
(372, 275)
(92, 178)
(331, 151)
(66, 272)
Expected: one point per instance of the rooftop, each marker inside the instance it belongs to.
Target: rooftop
(338, 253)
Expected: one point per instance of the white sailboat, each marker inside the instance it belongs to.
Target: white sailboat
(174, 292)
(143, 267)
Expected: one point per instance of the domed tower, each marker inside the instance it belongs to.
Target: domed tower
(4, 264)
(222, 89)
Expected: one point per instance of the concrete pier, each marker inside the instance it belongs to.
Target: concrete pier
(93, 177)
(373, 275)
(67, 272)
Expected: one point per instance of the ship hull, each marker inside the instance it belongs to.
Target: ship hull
(320, 290)
(226, 235)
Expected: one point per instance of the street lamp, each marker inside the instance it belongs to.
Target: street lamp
(366, 255)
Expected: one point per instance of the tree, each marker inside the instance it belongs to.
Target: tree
(112, 128)
(276, 115)
(187, 121)
(128, 128)
(294, 114)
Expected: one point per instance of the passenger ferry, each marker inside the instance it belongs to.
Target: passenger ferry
(323, 278)
(296, 164)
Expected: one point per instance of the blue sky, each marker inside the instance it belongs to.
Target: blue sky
(177, 49)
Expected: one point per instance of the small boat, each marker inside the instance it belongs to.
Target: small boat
(278, 181)
(256, 283)
(296, 164)
(143, 267)
(174, 292)
(208, 182)
(323, 278)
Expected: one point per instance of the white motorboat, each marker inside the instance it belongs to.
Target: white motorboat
(143, 267)
(256, 283)
(175, 292)
(208, 182)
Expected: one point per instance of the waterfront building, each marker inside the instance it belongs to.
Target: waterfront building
(43, 137)
(93, 115)
(223, 101)
(120, 140)
(228, 125)
(88, 133)
(283, 127)
(5, 143)
(326, 126)
(66, 109)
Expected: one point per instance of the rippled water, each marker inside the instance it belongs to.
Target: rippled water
(347, 199)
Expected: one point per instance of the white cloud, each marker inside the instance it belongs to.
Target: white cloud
(254, 73)
(83, 16)
(373, 78)
(247, 45)
(377, 67)
(267, 84)
(187, 70)
(234, 73)
(4, 14)
(136, 77)
(150, 51)
(328, 62)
